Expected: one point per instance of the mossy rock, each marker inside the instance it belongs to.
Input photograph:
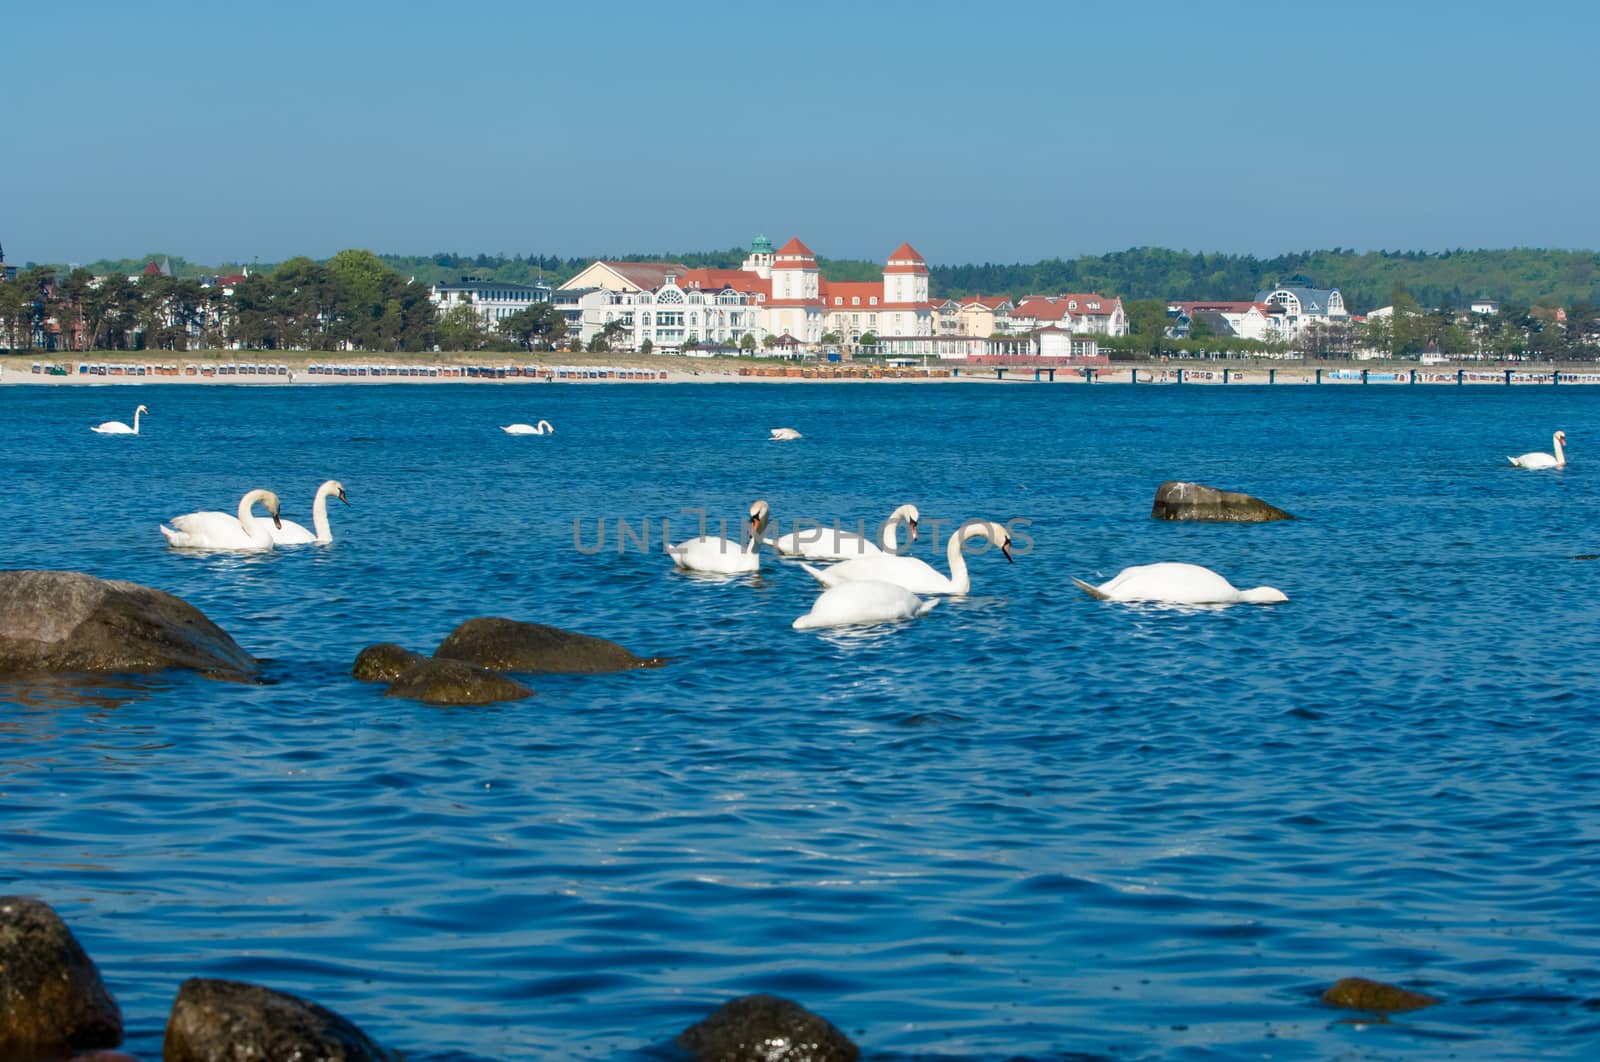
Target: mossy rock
(765, 1028)
(512, 645)
(52, 999)
(214, 1020)
(1179, 500)
(455, 683)
(384, 662)
(1358, 993)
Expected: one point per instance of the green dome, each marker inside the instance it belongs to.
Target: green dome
(761, 245)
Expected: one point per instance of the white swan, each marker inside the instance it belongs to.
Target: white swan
(116, 427)
(289, 533)
(544, 427)
(829, 543)
(723, 556)
(1178, 584)
(1538, 460)
(213, 530)
(867, 601)
(913, 573)
(784, 435)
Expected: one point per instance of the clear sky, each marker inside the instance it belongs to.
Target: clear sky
(1009, 131)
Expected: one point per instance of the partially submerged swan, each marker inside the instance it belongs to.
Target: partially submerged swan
(828, 543)
(289, 533)
(544, 427)
(1540, 460)
(784, 435)
(868, 601)
(913, 573)
(1178, 584)
(722, 556)
(116, 427)
(214, 530)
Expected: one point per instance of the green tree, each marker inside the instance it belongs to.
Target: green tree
(748, 342)
(539, 327)
(1146, 317)
(461, 328)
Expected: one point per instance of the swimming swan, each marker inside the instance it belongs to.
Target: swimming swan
(1178, 584)
(544, 428)
(828, 543)
(723, 556)
(867, 601)
(1534, 460)
(784, 435)
(213, 530)
(116, 427)
(289, 533)
(913, 573)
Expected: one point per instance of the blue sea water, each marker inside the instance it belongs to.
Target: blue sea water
(1027, 825)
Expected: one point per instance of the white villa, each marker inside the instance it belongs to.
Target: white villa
(493, 300)
(1081, 313)
(1263, 321)
(1303, 307)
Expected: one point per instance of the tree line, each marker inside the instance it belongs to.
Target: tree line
(351, 302)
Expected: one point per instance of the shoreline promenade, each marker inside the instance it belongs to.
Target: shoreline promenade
(318, 368)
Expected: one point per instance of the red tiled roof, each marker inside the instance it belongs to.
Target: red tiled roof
(718, 279)
(795, 249)
(905, 259)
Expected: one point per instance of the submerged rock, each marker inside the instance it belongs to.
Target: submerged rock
(230, 1021)
(384, 662)
(1178, 500)
(52, 1000)
(765, 1028)
(1358, 993)
(511, 645)
(68, 622)
(455, 682)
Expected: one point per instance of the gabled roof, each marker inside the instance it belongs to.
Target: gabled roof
(720, 279)
(646, 276)
(905, 259)
(1042, 308)
(988, 302)
(795, 249)
(1312, 300)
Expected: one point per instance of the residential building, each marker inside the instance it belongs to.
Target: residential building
(1261, 321)
(1081, 313)
(1303, 307)
(982, 315)
(493, 299)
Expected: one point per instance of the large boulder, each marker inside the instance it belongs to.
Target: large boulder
(511, 645)
(1178, 500)
(455, 682)
(765, 1028)
(68, 622)
(1359, 993)
(384, 662)
(231, 1021)
(52, 1000)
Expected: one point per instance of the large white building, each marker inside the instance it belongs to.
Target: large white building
(1304, 307)
(778, 293)
(493, 300)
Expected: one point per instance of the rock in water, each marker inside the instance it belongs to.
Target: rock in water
(765, 1028)
(230, 1021)
(510, 645)
(1177, 500)
(384, 662)
(52, 1000)
(455, 682)
(68, 622)
(1358, 993)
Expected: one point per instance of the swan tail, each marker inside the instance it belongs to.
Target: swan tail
(1093, 591)
(174, 538)
(926, 606)
(819, 575)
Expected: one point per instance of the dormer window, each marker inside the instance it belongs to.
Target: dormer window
(855, 300)
(873, 300)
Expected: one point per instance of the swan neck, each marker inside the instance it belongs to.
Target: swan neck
(136, 421)
(247, 519)
(1561, 457)
(960, 580)
(319, 516)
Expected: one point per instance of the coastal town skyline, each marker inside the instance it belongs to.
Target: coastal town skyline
(1059, 132)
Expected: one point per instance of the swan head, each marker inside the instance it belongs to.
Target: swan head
(760, 514)
(271, 501)
(1561, 438)
(910, 515)
(992, 531)
(141, 409)
(335, 488)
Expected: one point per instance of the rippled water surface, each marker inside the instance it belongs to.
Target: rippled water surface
(1027, 825)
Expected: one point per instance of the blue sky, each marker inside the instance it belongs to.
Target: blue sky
(1003, 132)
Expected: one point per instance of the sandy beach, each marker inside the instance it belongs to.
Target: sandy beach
(317, 369)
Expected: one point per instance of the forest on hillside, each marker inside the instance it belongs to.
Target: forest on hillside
(1527, 276)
